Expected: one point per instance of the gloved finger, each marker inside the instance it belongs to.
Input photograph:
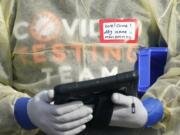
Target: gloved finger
(122, 112)
(73, 131)
(77, 114)
(44, 96)
(51, 94)
(123, 100)
(66, 108)
(73, 124)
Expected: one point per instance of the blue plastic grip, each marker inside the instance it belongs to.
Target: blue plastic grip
(151, 63)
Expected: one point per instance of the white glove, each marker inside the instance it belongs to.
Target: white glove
(122, 114)
(66, 119)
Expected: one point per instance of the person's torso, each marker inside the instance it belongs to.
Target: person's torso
(59, 41)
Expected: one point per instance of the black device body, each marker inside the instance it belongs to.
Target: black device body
(98, 92)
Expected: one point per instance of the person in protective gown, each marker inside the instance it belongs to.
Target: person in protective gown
(44, 43)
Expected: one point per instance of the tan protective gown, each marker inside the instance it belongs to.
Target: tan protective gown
(47, 42)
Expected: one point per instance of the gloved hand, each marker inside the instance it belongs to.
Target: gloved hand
(66, 119)
(146, 113)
